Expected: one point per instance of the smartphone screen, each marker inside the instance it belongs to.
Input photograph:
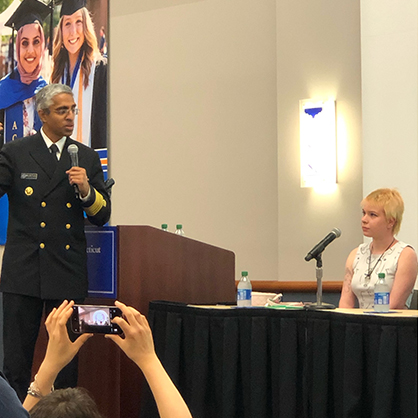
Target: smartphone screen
(95, 319)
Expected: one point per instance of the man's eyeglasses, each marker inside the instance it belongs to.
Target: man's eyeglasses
(65, 112)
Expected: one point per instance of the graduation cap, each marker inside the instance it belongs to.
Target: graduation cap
(29, 11)
(70, 6)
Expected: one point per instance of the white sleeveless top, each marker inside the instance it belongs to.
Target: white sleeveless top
(361, 286)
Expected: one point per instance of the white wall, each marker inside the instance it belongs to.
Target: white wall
(318, 58)
(205, 130)
(193, 125)
(390, 103)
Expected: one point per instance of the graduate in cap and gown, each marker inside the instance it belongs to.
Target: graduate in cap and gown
(17, 89)
(18, 116)
(77, 62)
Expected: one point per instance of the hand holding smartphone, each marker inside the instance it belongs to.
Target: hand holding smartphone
(96, 319)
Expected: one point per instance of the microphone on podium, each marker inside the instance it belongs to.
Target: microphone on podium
(320, 247)
(73, 151)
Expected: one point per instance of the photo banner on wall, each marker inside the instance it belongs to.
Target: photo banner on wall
(54, 41)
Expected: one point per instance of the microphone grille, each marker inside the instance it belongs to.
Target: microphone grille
(337, 232)
(73, 149)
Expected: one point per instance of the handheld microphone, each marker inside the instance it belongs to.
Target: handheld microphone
(73, 151)
(335, 233)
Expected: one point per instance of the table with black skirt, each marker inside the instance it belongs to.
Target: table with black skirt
(262, 362)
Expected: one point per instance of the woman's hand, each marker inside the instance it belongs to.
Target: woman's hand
(139, 347)
(138, 344)
(59, 352)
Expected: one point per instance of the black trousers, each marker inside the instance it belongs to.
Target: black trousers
(21, 321)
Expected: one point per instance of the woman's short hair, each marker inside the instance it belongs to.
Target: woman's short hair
(392, 204)
(66, 403)
(46, 94)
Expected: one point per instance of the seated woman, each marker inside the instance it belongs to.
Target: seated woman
(381, 221)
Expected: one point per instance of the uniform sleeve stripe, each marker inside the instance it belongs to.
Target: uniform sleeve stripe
(98, 203)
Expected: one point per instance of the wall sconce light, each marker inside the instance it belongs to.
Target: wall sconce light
(318, 145)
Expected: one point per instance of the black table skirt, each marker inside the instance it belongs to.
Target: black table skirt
(259, 363)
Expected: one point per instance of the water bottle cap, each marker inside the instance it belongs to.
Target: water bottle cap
(164, 226)
(244, 273)
(179, 226)
(381, 275)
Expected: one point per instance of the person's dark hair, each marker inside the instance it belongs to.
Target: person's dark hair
(66, 403)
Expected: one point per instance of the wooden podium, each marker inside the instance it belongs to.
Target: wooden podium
(152, 265)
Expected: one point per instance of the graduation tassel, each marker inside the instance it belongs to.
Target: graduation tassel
(13, 49)
(51, 22)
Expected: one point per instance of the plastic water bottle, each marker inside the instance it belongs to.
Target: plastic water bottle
(381, 294)
(164, 227)
(244, 290)
(179, 229)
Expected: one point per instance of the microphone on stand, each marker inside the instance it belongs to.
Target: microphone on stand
(335, 233)
(316, 253)
(73, 151)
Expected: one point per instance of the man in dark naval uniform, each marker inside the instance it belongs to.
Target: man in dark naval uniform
(45, 258)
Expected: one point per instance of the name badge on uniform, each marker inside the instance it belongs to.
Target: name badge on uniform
(29, 176)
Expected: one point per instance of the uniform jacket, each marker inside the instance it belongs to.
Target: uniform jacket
(45, 253)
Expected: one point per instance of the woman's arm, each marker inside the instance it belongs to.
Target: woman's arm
(59, 352)
(348, 298)
(138, 345)
(405, 277)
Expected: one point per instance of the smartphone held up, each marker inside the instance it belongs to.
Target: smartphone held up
(95, 319)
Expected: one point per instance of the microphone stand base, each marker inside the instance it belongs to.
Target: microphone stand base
(316, 306)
